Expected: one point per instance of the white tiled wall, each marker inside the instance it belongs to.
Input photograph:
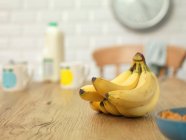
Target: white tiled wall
(87, 24)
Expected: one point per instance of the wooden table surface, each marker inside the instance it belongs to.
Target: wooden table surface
(45, 112)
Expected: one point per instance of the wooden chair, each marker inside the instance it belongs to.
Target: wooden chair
(115, 55)
(122, 54)
(175, 58)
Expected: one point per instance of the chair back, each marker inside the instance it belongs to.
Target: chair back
(175, 58)
(122, 54)
(115, 55)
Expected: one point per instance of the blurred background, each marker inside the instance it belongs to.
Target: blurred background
(86, 25)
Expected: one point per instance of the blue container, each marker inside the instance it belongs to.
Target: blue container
(172, 129)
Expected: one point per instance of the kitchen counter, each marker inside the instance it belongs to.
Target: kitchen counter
(46, 112)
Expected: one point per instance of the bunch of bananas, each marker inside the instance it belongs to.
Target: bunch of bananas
(133, 93)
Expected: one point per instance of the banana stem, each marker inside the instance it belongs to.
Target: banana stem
(140, 58)
(145, 67)
(132, 67)
(137, 68)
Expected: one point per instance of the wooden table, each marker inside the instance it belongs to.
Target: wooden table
(45, 112)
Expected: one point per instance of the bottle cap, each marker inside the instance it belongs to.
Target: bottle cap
(54, 24)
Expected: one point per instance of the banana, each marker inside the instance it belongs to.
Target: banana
(141, 110)
(133, 93)
(124, 75)
(136, 97)
(102, 108)
(95, 106)
(111, 108)
(103, 86)
(88, 93)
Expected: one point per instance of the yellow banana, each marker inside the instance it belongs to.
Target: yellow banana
(103, 86)
(111, 108)
(133, 93)
(95, 106)
(88, 92)
(123, 76)
(102, 108)
(138, 96)
(141, 110)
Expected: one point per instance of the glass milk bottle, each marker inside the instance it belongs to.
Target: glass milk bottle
(53, 53)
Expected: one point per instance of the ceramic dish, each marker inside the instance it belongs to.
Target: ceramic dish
(172, 129)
